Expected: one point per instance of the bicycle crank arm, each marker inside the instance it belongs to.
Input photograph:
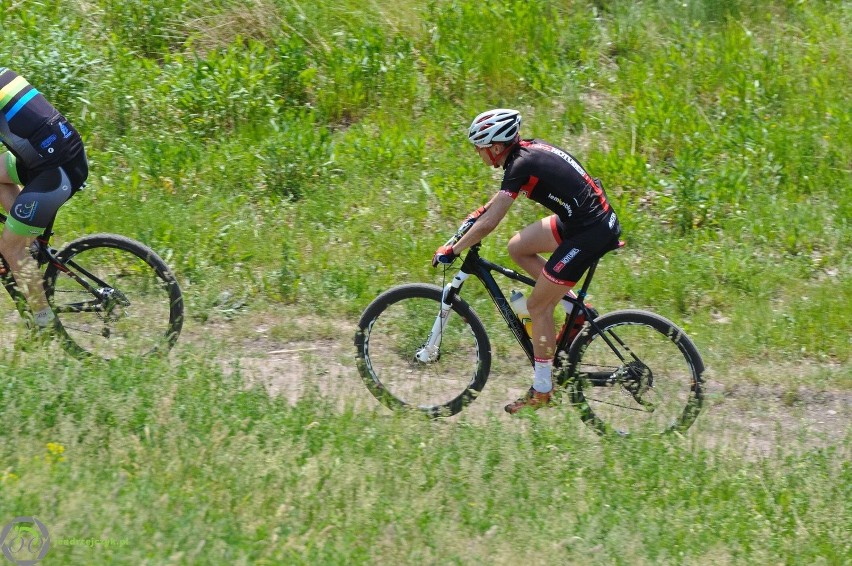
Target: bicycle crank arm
(87, 306)
(601, 378)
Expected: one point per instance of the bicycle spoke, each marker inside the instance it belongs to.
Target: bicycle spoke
(641, 379)
(121, 304)
(409, 359)
(400, 334)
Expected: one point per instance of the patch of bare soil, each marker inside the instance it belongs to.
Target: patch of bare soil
(757, 419)
(749, 419)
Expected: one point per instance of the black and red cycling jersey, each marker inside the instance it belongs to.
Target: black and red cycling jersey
(552, 177)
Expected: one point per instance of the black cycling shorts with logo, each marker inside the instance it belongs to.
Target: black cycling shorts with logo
(44, 193)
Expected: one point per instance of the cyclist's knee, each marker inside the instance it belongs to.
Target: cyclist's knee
(36, 205)
(514, 247)
(545, 296)
(540, 306)
(519, 249)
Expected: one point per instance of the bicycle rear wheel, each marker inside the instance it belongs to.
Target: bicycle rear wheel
(640, 375)
(395, 364)
(132, 307)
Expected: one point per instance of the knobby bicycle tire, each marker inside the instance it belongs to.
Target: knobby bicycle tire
(659, 388)
(395, 327)
(140, 308)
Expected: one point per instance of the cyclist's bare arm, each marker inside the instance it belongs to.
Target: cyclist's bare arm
(495, 211)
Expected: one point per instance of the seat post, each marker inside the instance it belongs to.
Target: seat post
(581, 295)
(47, 233)
(591, 271)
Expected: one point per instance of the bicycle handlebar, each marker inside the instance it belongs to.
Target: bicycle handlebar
(463, 229)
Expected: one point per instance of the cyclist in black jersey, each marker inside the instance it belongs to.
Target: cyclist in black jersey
(581, 228)
(44, 166)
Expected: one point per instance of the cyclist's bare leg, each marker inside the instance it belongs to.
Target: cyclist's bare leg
(9, 191)
(525, 246)
(15, 249)
(8, 194)
(541, 303)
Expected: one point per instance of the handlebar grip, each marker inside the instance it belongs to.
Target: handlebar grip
(463, 229)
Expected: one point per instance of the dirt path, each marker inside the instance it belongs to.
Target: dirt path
(746, 417)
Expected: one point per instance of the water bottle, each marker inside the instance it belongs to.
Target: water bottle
(519, 304)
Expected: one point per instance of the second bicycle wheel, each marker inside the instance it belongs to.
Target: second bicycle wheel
(640, 375)
(125, 303)
(394, 362)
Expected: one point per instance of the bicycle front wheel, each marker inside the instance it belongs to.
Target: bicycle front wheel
(113, 297)
(406, 365)
(639, 375)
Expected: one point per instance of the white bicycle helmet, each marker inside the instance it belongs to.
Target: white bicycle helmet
(498, 125)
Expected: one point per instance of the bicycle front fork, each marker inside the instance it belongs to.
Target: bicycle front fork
(431, 350)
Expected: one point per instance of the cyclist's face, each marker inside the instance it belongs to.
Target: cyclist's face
(483, 154)
(487, 154)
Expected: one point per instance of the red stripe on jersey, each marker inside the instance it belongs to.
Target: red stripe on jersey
(528, 187)
(598, 191)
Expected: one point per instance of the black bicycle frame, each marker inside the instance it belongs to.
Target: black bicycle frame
(45, 254)
(482, 269)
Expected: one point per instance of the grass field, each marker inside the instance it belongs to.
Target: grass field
(290, 160)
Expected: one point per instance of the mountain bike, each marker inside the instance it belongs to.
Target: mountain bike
(112, 296)
(422, 347)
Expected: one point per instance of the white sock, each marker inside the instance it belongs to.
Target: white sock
(44, 317)
(542, 380)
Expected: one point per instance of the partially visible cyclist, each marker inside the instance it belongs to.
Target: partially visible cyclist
(44, 166)
(582, 228)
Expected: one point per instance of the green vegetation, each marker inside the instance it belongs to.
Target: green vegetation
(190, 467)
(296, 158)
(314, 155)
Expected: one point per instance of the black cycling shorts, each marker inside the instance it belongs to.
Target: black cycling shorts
(576, 252)
(43, 193)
